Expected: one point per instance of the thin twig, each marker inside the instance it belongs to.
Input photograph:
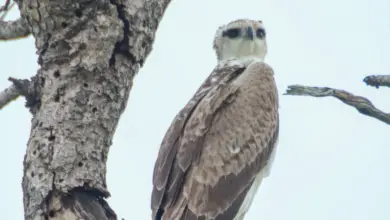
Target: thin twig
(5, 12)
(5, 7)
(363, 105)
(377, 80)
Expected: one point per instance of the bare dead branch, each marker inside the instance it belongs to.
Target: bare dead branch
(6, 10)
(10, 30)
(5, 6)
(377, 80)
(363, 105)
(20, 87)
(8, 95)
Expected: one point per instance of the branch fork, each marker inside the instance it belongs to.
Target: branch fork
(21, 87)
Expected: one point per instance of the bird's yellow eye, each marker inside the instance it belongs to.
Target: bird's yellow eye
(260, 33)
(232, 33)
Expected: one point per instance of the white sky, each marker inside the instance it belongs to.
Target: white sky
(332, 162)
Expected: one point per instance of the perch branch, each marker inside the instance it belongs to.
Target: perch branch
(363, 105)
(14, 29)
(19, 87)
(377, 80)
(9, 94)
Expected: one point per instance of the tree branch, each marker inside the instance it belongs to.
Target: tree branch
(377, 80)
(363, 105)
(5, 9)
(5, 6)
(10, 30)
(23, 87)
(8, 95)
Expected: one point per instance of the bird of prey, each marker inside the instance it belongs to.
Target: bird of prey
(221, 145)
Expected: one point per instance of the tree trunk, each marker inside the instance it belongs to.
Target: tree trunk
(89, 52)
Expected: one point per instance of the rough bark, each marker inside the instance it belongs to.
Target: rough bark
(9, 94)
(362, 104)
(14, 29)
(89, 51)
(377, 80)
(26, 88)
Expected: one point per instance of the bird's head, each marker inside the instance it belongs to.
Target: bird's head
(241, 39)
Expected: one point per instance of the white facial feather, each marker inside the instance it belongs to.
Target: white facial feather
(241, 47)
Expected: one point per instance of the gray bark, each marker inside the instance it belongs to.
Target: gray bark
(14, 29)
(9, 94)
(89, 52)
(10, 30)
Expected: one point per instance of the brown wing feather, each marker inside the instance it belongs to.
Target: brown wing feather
(167, 175)
(222, 146)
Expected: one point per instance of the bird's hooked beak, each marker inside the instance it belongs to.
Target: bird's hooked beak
(250, 33)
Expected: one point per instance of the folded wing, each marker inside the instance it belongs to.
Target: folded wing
(217, 146)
